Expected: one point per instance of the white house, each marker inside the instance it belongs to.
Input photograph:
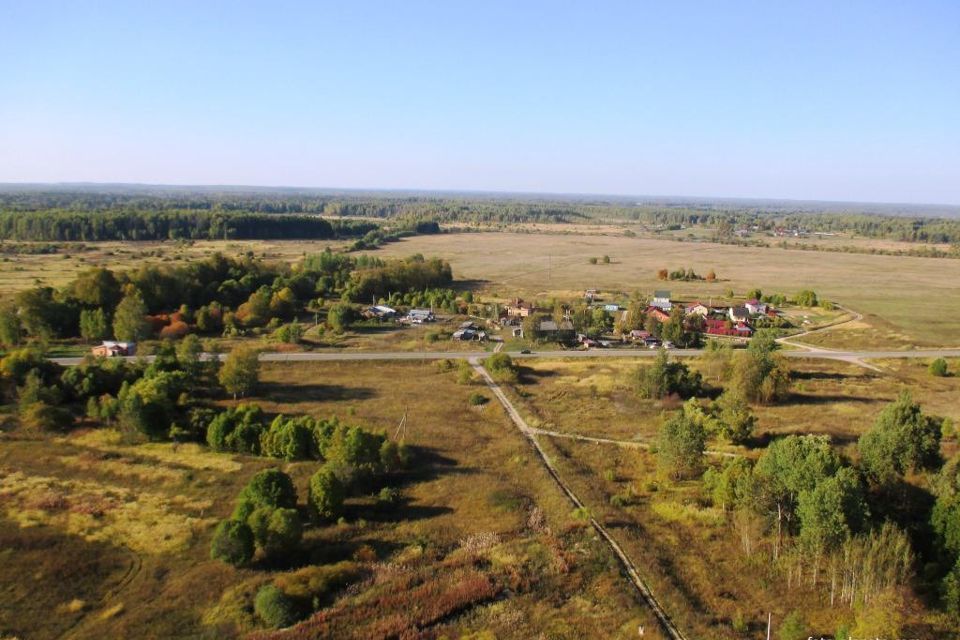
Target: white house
(661, 300)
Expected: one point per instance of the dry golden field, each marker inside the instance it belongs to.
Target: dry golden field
(906, 301)
(104, 539)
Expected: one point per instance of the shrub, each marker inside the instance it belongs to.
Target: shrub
(793, 627)
(232, 543)
(41, 416)
(501, 367)
(477, 399)
(938, 368)
(275, 608)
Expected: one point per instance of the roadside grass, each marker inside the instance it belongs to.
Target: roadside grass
(467, 524)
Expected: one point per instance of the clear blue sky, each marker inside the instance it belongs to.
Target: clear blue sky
(810, 100)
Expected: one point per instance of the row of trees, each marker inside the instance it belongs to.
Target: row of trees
(199, 296)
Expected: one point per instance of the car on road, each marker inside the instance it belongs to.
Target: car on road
(525, 351)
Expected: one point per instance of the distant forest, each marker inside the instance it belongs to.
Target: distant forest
(148, 213)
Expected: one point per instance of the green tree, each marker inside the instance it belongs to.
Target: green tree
(735, 422)
(666, 377)
(786, 469)
(93, 324)
(680, 446)
(831, 512)
(188, 350)
(806, 298)
(232, 543)
(240, 373)
(130, 319)
(327, 494)
(10, 328)
(96, 287)
(237, 429)
(340, 316)
(730, 485)
(902, 438)
(289, 439)
(269, 488)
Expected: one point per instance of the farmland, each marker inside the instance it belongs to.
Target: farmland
(906, 301)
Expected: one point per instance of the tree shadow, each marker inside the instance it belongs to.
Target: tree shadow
(472, 284)
(804, 399)
(285, 392)
(402, 511)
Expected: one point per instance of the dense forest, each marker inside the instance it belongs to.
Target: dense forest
(145, 213)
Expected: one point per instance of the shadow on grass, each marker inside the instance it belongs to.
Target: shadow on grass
(470, 285)
(803, 399)
(285, 392)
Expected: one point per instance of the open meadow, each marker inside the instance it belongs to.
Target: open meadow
(101, 538)
(905, 300)
(838, 399)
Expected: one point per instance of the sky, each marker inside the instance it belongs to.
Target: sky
(804, 100)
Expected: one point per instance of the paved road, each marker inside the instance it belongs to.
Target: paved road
(343, 356)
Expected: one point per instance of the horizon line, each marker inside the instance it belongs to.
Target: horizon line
(474, 192)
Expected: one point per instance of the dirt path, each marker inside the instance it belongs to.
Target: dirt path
(531, 434)
(854, 316)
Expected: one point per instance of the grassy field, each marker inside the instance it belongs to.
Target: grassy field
(690, 551)
(105, 539)
(842, 400)
(22, 271)
(909, 301)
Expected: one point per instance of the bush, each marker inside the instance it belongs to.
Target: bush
(938, 368)
(793, 627)
(269, 488)
(326, 494)
(289, 439)
(41, 416)
(275, 608)
(477, 399)
(501, 367)
(232, 543)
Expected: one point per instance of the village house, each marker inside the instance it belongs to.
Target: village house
(722, 327)
(519, 309)
(110, 349)
(469, 331)
(419, 316)
(755, 307)
(661, 300)
(380, 311)
(739, 314)
(697, 309)
(659, 314)
(550, 330)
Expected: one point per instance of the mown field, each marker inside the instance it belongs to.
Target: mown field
(906, 301)
(104, 539)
